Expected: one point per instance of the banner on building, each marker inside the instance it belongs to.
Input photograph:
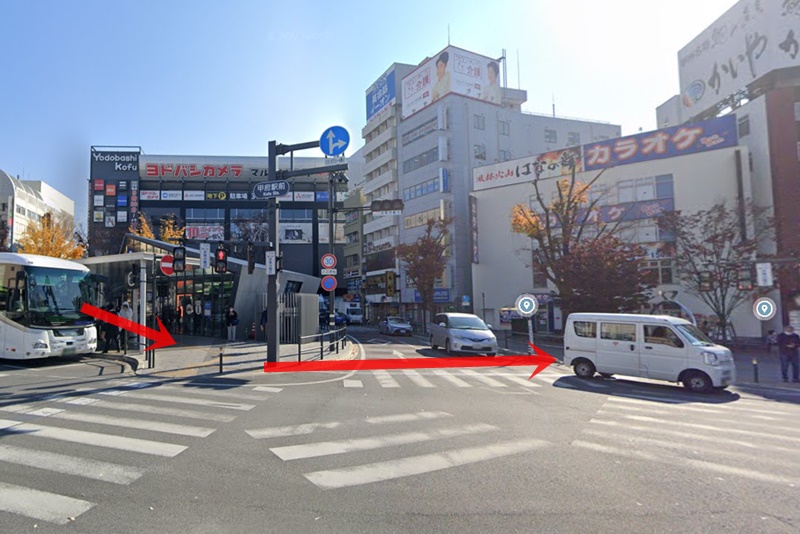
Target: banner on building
(554, 164)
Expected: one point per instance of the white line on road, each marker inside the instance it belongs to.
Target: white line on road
(189, 400)
(3, 374)
(268, 389)
(353, 384)
(141, 424)
(481, 378)
(41, 504)
(398, 354)
(385, 379)
(209, 392)
(146, 408)
(417, 465)
(417, 378)
(70, 465)
(92, 438)
(676, 402)
(521, 381)
(326, 448)
(452, 379)
(308, 428)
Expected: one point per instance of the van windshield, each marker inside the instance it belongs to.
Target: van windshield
(695, 335)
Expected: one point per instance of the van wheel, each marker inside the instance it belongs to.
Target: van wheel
(697, 382)
(434, 347)
(584, 369)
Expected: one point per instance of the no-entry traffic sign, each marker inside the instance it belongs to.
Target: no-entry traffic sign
(166, 265)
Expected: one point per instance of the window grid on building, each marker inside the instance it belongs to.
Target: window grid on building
(504, 128)
(419, 190)
(550, 136)
(421, 160)
(479, 122)
(479, 151)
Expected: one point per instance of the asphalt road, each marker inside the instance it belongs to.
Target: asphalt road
(86, 449)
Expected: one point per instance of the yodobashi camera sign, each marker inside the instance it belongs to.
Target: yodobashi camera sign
(116, 165)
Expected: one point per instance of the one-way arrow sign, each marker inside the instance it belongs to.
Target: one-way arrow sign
(334, 141)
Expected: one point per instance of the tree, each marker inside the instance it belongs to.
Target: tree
(4, 244)
(170, 231)
(425, 260)
(570, 223)
(722, 241)
(252, 229)
(52, 236)
(141, 227)
(621, 286)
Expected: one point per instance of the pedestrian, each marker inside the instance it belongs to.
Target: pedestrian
(772, 340)
(126, 312)
(111, 331)
(233, 321)
(263, 319)
(788, 343)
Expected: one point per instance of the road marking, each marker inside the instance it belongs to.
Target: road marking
(417, 378)
(720, 407)
(70, 465)
(190, 400)
(41, 505)
(385, 379)
(452, 379)
(92, 438)
(44, 412)
(482, 378)
(308, 428)
(694, 436)
(378, 341)
(398, 354)
(353, 384)
(689, 463)
(146, 408)
(268, 389)
(522, 381)
(141, 424)
(206, 391)
(548, 377)
(326, 448)
(417, 465)
(3, 374)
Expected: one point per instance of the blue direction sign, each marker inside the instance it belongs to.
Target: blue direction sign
(334, 141)
(272, 189)
(329, 283)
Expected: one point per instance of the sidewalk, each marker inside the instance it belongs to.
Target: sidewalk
(193, 356)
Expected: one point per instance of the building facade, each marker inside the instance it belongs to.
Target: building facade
(454, 116)
(638, 185)
(747, 62)
(25, 202)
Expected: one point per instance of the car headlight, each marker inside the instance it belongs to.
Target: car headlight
(39, 345)
(92, 341)
(712, 358)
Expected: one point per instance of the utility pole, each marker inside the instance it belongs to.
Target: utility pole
(331, 220)
(272, 279)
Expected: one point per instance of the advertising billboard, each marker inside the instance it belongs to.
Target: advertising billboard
(453, 70)
(381, 93)
(661, 144)
(202, 167)
(751, 39)
(548, 165)
(205, 232)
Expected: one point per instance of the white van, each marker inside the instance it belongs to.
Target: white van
(659, 347)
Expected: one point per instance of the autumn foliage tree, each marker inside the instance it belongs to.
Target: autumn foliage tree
(52, 236)
(568, 224)
(722, 241)
(425, 260)
(141, 226)
(170, 231)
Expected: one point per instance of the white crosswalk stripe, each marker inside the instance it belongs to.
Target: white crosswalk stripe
(489, 381)
(749, 439)
(415, 464)
(417, 378)
(461, 378)
(133, 419)
(385, 379)
(452, 379)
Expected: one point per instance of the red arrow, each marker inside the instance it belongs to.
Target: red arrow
(541, 361)
(161, 336)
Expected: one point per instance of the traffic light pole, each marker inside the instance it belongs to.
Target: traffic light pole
(272, 279)
(331, 220)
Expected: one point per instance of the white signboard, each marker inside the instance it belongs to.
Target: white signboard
(750, 40)
(304, 196)
(271, 263)
(194, 195)
(171, 195)
(764, 274)
(205, 255)
(328, 272)
(149, 195)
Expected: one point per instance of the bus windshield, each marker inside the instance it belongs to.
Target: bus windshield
(55, 296)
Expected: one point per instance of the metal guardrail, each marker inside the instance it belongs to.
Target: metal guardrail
(335, 338)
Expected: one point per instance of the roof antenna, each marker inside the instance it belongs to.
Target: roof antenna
(518, 82)
(554, 105)
(448, 35)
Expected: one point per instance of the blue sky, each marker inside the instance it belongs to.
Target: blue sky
(223, 78)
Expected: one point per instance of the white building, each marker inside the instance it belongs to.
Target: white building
(23, 202)
(635, 189)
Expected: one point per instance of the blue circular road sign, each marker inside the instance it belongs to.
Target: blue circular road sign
(329, 283)
(334, 141)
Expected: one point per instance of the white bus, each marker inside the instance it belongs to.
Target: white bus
(40, 303)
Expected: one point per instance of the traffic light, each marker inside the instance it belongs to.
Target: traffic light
(221, 261)
(251, 259)
(387, 207)
(744, 280)
(705, 281)
(179, 259)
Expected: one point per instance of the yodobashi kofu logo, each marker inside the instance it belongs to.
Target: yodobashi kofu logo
(694, 93)
(122, 162)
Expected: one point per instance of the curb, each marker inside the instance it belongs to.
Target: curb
(760, 386)
(132, 362)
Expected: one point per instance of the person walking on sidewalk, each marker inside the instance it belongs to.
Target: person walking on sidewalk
(788, 343)
(233, 321)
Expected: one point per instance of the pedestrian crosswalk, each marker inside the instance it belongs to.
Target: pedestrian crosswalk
(459, 378)
(748, 438)
(72, 436)
(358, 438)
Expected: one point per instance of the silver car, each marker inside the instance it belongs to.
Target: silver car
(462, 332)
(394, 325)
